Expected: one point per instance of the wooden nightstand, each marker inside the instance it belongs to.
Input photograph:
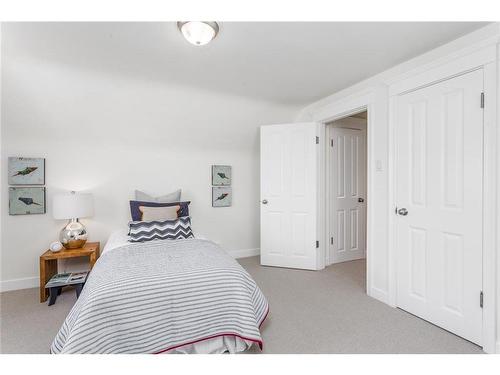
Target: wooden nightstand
(48, 263)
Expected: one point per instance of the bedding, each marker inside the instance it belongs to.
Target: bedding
(164, 296)
(142, 231)
(136, 214)
(120, 237)
(167, 198)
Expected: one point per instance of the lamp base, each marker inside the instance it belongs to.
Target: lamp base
(73, 235)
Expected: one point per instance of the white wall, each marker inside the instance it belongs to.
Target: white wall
(375, 92)
(109, 134)
(2, 178)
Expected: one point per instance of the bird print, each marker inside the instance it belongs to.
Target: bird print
(222, 175)
(26, 171)
(222, 196)
(28, 201)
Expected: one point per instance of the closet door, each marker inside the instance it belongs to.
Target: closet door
(439, 171)
(289, 192)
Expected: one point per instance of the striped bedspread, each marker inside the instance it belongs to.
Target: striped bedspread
(157, 296)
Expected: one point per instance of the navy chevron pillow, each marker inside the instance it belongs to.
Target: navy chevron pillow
(142, 231)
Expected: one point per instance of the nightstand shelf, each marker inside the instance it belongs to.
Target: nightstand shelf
(48, 263)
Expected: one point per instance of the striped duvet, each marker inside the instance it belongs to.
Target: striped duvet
(157, 296)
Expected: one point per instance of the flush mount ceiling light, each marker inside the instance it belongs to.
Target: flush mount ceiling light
(198, 33)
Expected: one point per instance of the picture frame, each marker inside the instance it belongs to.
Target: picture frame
(221, 175)
(26, 171)
(222, 196)
(27, 200)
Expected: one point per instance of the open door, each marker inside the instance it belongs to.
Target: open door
(289, 195)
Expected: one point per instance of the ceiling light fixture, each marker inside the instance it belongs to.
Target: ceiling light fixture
(198, 33)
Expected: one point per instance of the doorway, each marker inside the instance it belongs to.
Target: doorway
(347, 188)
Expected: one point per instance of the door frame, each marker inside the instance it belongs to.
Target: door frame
(356, 104)
(328, 174)
(484, 59)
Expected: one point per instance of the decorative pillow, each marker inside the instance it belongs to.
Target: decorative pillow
(159, 213)
(136, 213)
(142, 231)
(168, 198)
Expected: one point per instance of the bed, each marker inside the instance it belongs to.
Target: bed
(164, 296)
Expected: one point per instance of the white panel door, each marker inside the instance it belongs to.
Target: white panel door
(348, 193)
(289, 170)
(439, 195)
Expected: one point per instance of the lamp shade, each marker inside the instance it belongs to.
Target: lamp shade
(72, 205)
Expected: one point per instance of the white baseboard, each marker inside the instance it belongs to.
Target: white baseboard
(245, 253)
(33, 282)
(380, 295)
(16, 284)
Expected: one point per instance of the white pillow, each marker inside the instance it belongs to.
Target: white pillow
(168, 198)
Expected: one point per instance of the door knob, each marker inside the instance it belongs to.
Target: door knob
(361, 200)
(403, 211)
(264, 201)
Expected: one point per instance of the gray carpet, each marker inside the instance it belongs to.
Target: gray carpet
(311, 312)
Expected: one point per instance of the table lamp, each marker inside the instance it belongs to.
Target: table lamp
(73, 206)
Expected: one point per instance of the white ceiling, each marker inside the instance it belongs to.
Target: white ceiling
(290, 63)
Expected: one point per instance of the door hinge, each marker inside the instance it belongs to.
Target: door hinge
(317, 140)
(396, 210)
(331, 142)
(317, 244)
(482, 100)
(481, 299)
(331, 240)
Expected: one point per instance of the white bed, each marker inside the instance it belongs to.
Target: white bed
(111, 315)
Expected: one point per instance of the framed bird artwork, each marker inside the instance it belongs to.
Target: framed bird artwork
(26, 200)
(222, 197)
(221, 175)
(26, 171)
